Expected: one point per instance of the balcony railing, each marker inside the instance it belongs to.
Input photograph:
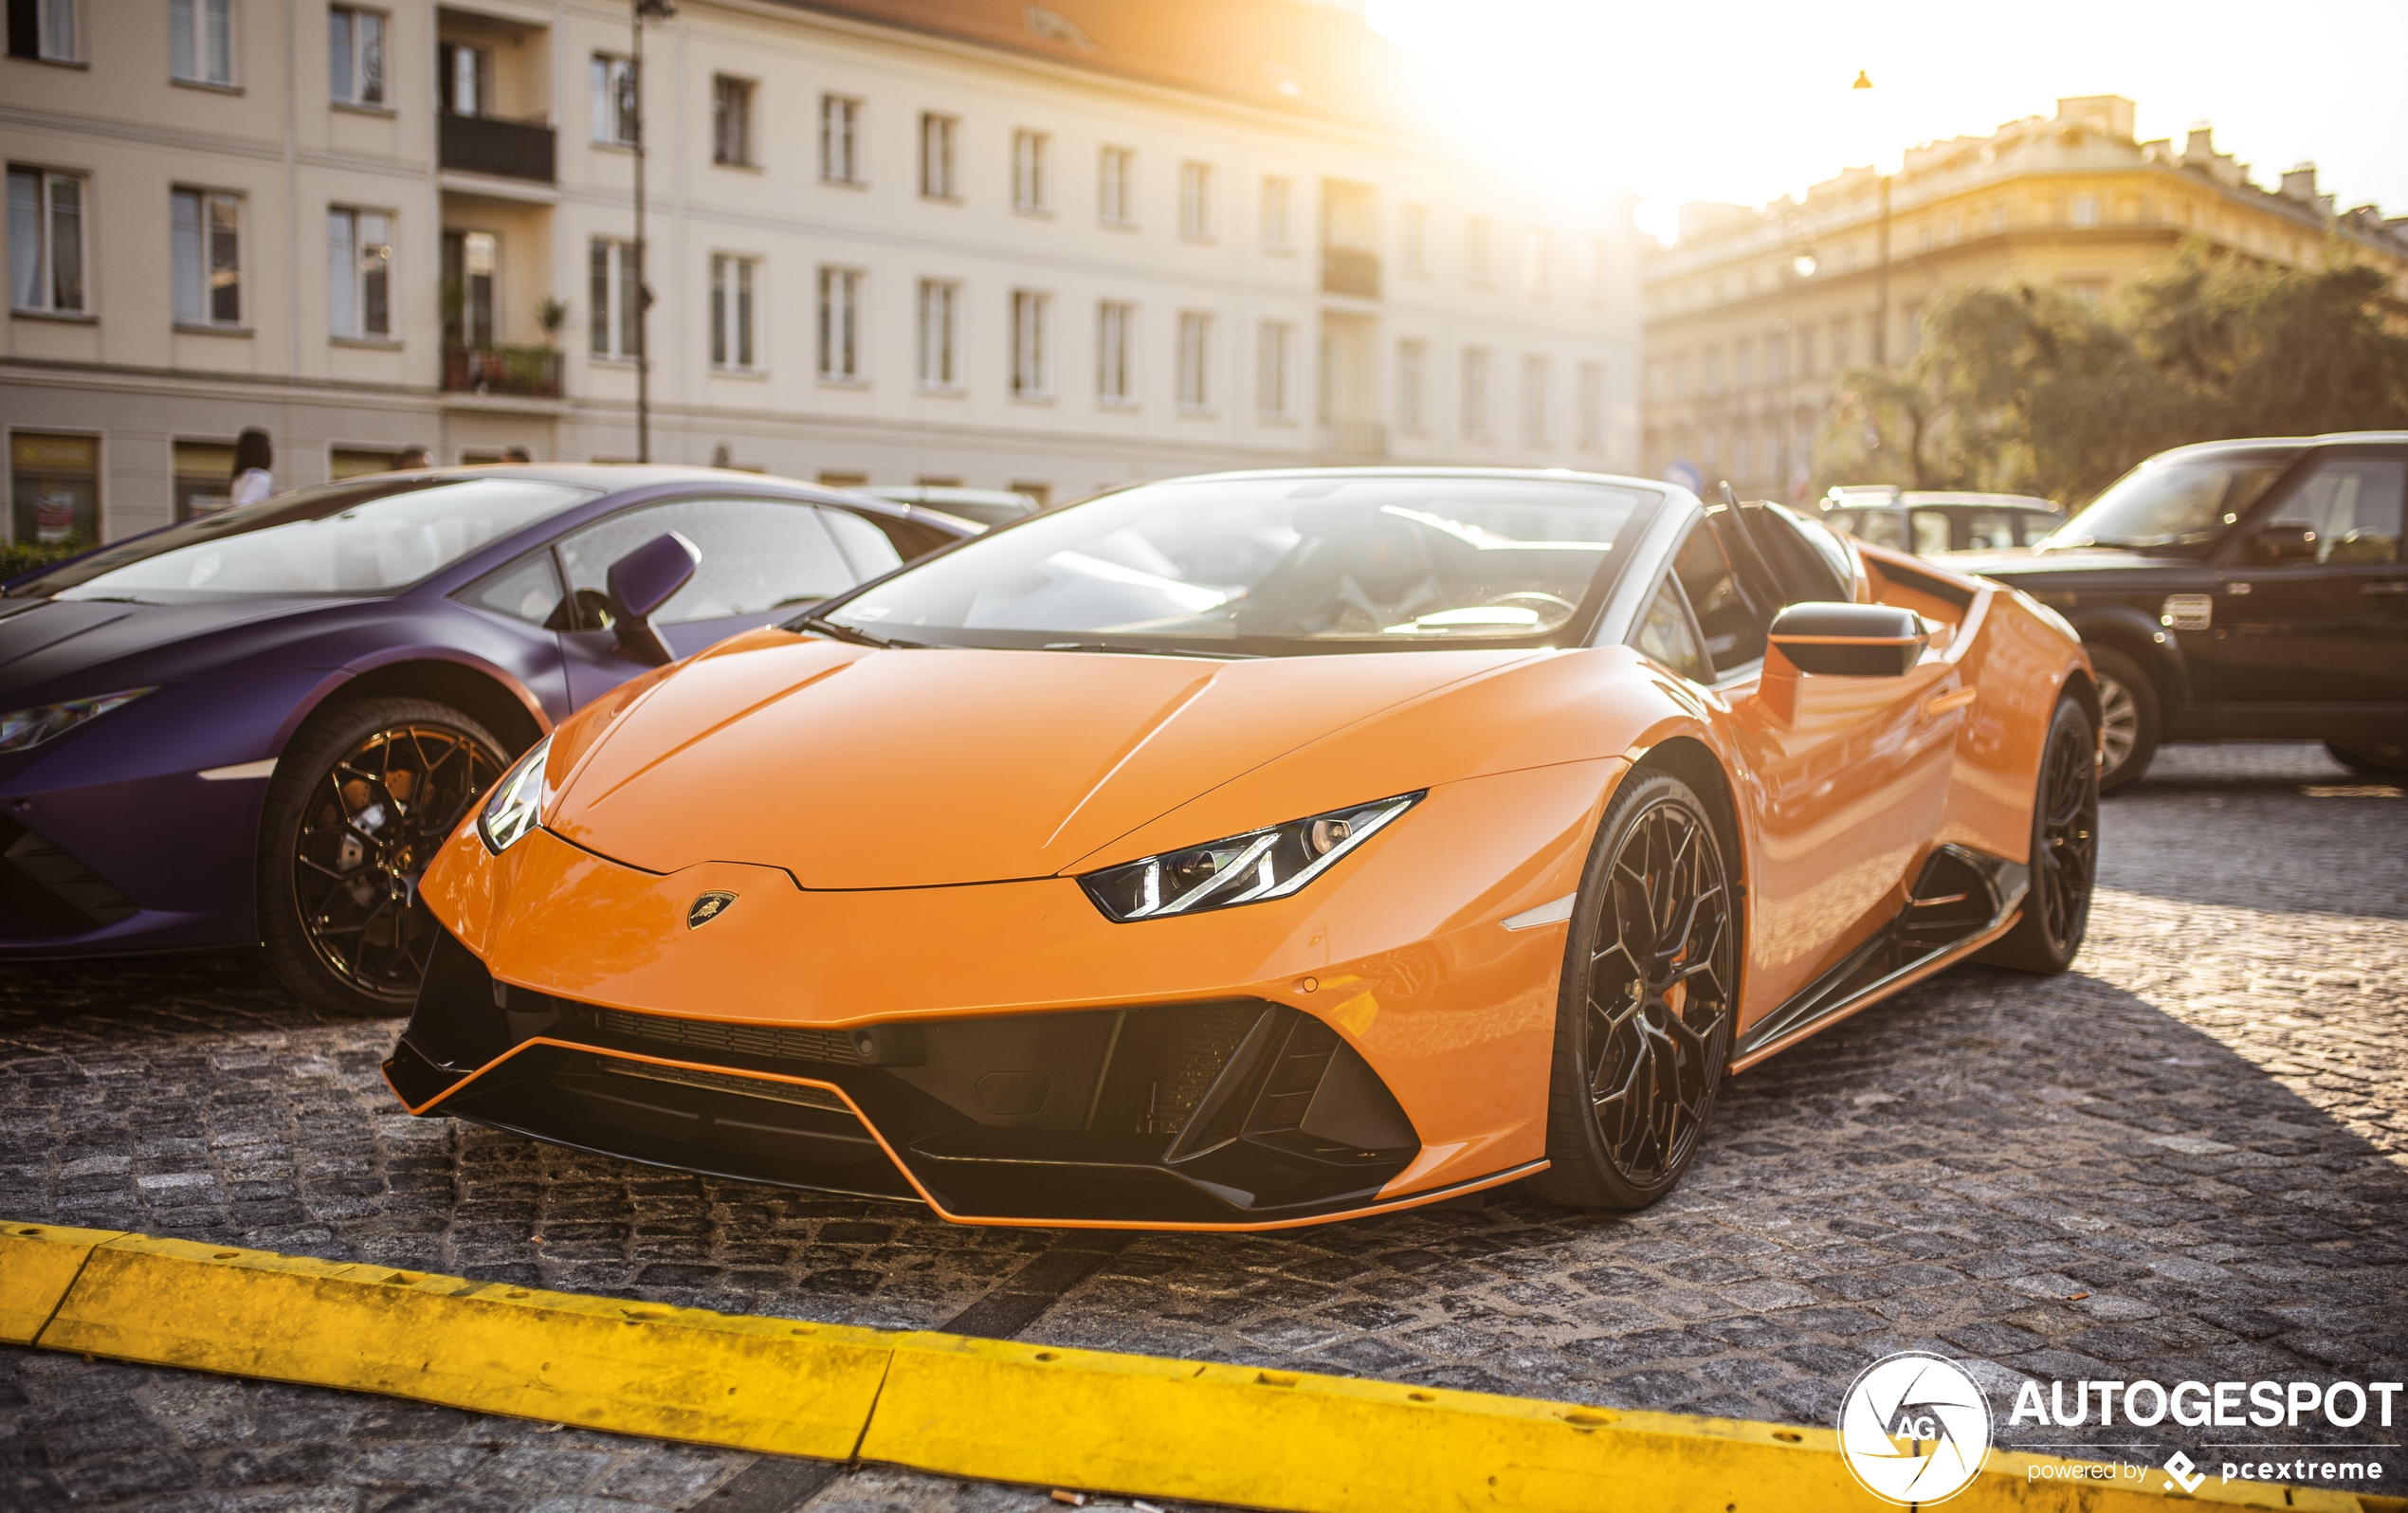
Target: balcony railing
(487, 144)
(1353, 438)
(1349, 271)
(503, 371)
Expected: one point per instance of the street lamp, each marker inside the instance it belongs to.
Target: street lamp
(644, 10)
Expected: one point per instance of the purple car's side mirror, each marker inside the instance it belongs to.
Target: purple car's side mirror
(639, 584)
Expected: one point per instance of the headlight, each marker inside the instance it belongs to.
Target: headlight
(1246, 868)
(516, 802)
(23, 729)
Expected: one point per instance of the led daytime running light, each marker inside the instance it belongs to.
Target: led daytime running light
(1249, 869)
(516, 804)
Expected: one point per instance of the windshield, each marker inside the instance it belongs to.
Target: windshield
(2172, 502)
(1272, 566)
(340, 538)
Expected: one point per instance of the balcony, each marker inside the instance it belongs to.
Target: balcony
(530, 371)
(488, 144)
(1350, 271)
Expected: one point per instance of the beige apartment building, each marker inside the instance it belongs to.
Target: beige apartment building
(1751, 312)
(1050, 247)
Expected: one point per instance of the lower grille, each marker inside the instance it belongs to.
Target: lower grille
(769, 1041)
(723, 1083)
(52, 888)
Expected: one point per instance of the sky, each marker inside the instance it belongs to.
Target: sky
(1746, 100)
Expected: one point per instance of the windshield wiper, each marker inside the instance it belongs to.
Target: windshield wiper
(1148, 651)
(859, 638)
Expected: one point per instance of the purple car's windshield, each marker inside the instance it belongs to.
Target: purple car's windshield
(371, 537)
(1271, 566)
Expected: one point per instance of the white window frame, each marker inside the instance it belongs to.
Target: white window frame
(1538, 378)
(736, 321)
(57, 35)
(203, 250)
(1412, 240)
(940, 334)
(1278, 213)
(1031, 172)
(841, 350)
(360, 47)
(1477, 366)
(840, 123)
(1196, 362)
(732, 128)
(1196, 200)
(939, 155)
(610, 320)
(1032, 344)
(1589, 402)
(610, 99)
(1412, 385)
(40, 241)
(1275, 372)
(201, 42)
(359, 253)
(1116, 187)
(1116, 352)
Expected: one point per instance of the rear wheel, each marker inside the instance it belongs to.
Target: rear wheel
(2374, 758)
(361, 801)
(2064, 852)
(1649, 995)
(2129, 719)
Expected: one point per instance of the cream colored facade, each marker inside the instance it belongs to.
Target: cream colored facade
(1349, 335)
(1751, 313)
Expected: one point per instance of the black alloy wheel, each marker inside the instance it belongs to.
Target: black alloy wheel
(2065, 851)
(1649, 1001)
(360, 803)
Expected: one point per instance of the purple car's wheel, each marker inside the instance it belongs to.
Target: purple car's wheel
(1644, 1032)
(359, 804)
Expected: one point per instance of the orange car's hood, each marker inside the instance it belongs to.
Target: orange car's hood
(859, 769)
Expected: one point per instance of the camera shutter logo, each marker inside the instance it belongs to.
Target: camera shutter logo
(1914, 1429)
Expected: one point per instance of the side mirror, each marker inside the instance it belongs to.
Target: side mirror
(639, 584)
(1850, 640)
(2283, 543)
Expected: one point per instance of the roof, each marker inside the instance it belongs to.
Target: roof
(1305, 58)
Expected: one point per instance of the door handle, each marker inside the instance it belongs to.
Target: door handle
(1950, 701)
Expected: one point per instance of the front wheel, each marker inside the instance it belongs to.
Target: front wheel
(361, 801)
(2371, 758)
(1646, 1013)
(2065, 851)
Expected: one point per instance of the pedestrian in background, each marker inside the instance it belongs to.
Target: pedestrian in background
(254, 467)
(410, 458)
(516, 454)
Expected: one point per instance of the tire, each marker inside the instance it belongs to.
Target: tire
(2132, 717)
(1647, 1005)
(2371, 758)
(361, 799)
(2064, 852)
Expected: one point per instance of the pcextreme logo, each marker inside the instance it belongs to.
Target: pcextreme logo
(1914, 1429)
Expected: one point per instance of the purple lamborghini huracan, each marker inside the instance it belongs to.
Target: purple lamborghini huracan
(255, 727)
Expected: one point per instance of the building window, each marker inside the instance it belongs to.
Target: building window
(468, 261)
(206, 232)
(610, 298)
(839, 140)
(840, 324)
(1538, 260)
(1475, 393)
(1032, 344)
(1593, 269)
(732, 121)
(1117, 186)
(613, 103)
(1274, 381)
(1743, 366)
(200, 41)
(1278, 235)
(1196, 200)
(1195, 361)
(465, 79)
(1412, 240)
(1535, 376)
(1713, 372)
(2086, 210)
(47, 29)
(1806, 352)
(359, 260)
(1588, 402)
(735, 306)
(1115, 353)
(1031, 172)
(938, 135)
(46, 241)
(1777, 359)
(940, 334)
(1475, 250)
(356, 55)
(55, 484)
(1412, 385)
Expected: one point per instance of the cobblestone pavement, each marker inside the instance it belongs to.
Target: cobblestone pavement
(2185, 1159)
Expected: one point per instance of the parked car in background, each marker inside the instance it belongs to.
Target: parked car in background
(982, 507)
(2240, 590)
(256, 727)
(1928, 523)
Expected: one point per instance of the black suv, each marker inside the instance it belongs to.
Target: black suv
(2239, 590)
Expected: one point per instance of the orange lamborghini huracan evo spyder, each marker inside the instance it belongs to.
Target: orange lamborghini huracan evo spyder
(1259, 849)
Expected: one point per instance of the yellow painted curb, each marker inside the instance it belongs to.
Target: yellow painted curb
(991, 1410)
